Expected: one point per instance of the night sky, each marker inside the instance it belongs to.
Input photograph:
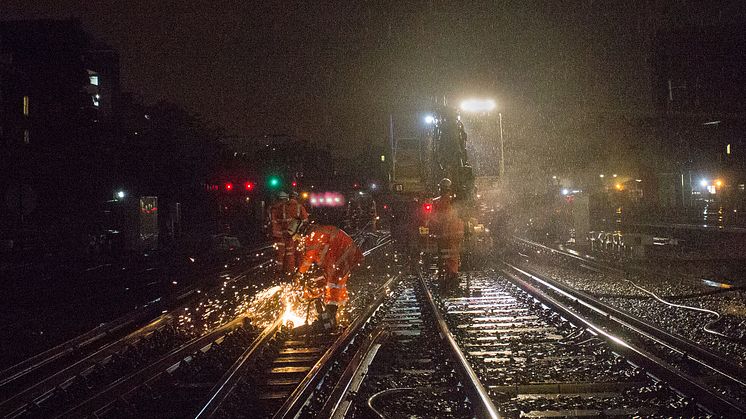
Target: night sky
(332, 71)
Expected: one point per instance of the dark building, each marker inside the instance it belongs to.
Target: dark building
(700, 93)
(58, 93)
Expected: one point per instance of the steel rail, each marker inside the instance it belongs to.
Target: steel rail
(684, 383)
(336, 406)
(37, 361)
(126, 384)
(108, 329)
(481, 401)
(20, 400)
(228, 382)
(707, 358)
(304, 390)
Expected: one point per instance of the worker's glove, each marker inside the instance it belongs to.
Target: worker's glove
(320, 281)
(297, 279)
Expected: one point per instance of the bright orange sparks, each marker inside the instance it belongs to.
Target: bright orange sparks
(291, 317)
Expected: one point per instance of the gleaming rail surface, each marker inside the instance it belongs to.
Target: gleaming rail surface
(28, 385)
(713, 380)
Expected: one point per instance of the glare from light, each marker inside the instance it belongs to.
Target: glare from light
(565, 191)
(718, 183)
(478, 105)
(121, 194)
(373, 186)
(614, 175)
(429, 119)
(361, 192)
(304, 195)
(704, 183)
(601, 175)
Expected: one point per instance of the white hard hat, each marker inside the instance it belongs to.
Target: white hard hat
(283, 195)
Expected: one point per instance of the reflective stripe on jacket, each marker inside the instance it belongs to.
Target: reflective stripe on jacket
(336, 254)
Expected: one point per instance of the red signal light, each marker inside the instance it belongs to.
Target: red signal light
(248, 186)
(294, 184)
(428, 207)
(228, 186)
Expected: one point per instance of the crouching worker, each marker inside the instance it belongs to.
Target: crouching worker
(335, 254)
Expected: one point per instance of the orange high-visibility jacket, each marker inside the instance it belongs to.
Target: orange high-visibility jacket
(282, 212)
(336, 253)
(295, 210)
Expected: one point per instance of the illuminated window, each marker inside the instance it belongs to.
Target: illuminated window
(383, 158)
(96, 100)
(25, 136)
(25, 105)
(93, 79)
(727, 149)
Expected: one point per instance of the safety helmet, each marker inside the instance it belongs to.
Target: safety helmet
(293, 194)
(282, 195)
(445, 184)
(296, 226)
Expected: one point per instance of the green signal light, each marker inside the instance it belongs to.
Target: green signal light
(274, 182)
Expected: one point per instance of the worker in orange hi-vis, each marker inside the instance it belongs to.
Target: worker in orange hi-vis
(294, 210)
(335, 254)
(279, 224)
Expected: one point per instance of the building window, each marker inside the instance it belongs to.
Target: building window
(93, 79)
(25, 137)
(25, 105)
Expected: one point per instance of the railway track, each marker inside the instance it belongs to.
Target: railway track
(166, 371)
(313, 376)
(510, 343)
(280, 372)
(30, 386)
(502, 348)
(717, 380)
(408, 365)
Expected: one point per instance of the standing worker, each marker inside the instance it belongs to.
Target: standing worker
(294, 210)
(281, 214)
(278, 224)
(335, 253)
(449, 231)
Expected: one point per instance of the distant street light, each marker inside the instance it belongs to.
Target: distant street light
(121, 194)
(429, 119)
